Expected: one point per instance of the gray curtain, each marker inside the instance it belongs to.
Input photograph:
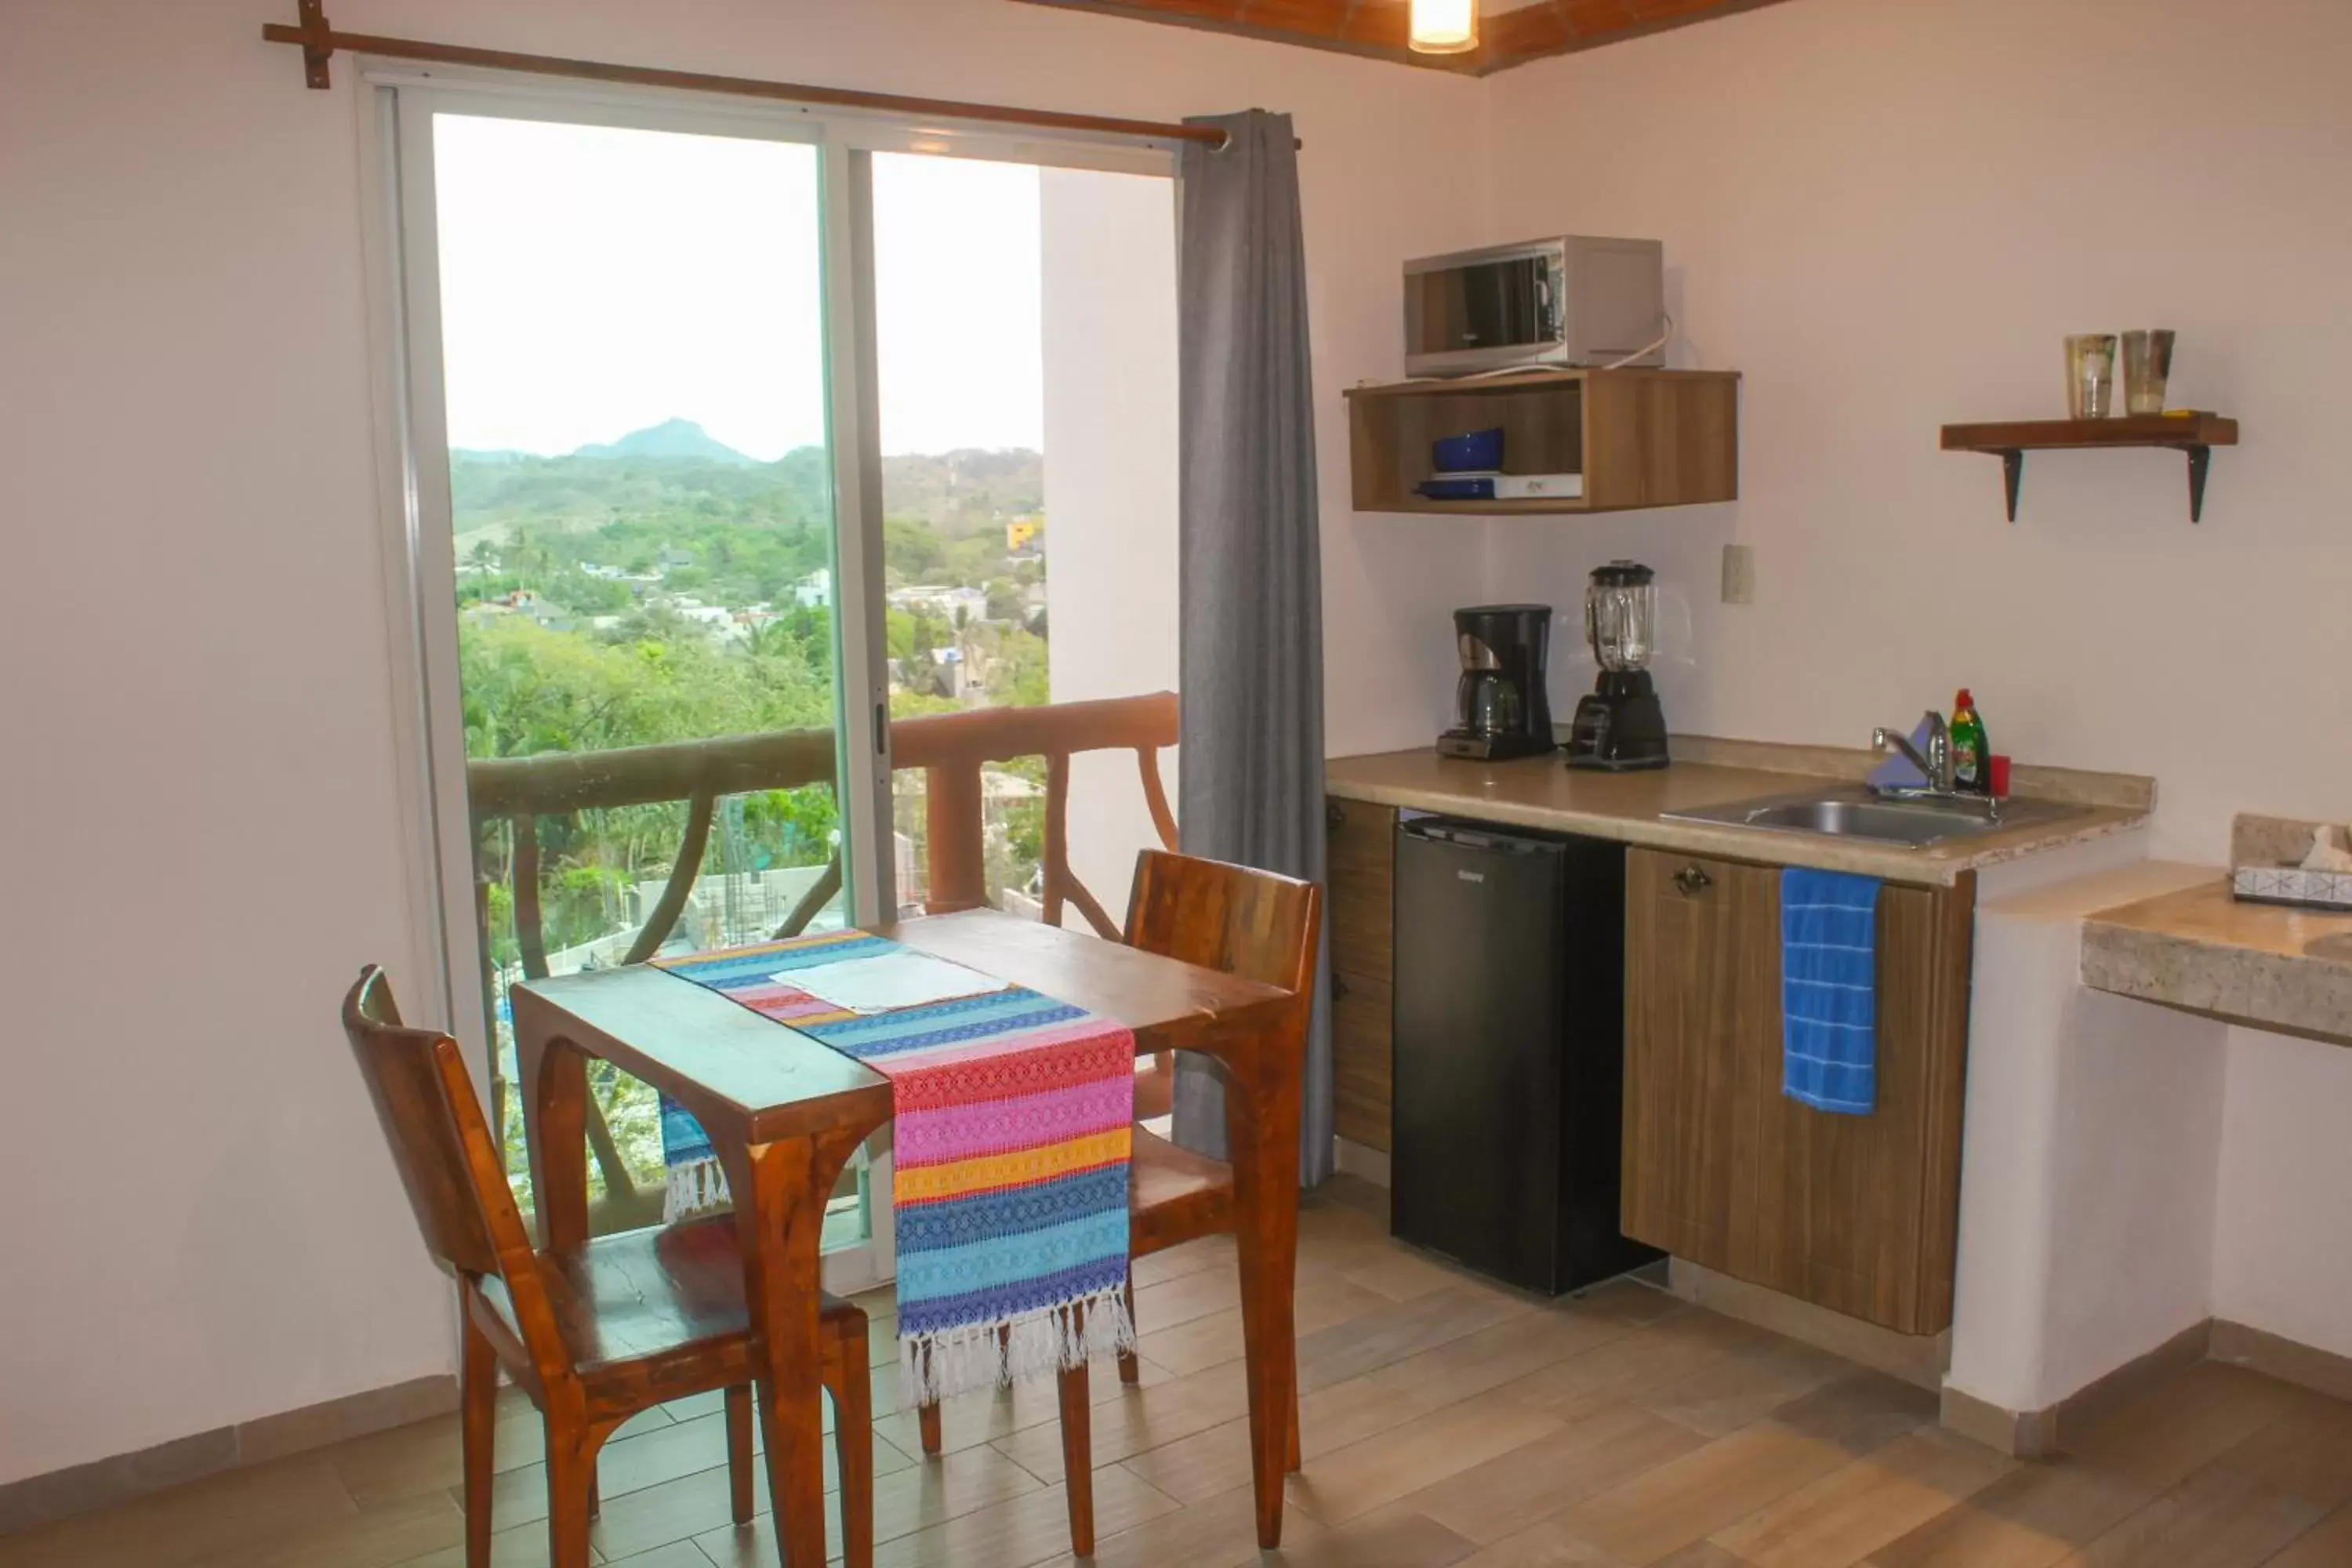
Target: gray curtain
(1251, 566)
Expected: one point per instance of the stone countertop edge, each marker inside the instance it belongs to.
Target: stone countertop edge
(1543, 792)
(2199, 949)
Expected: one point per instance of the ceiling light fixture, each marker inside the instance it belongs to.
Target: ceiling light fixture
(1445, 26)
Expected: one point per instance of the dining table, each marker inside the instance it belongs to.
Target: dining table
(784, 1114)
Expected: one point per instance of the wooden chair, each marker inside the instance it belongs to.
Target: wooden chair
(1242, 921)
(593, 1334)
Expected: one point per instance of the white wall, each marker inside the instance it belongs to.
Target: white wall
(199, 704)
(1889, 216)
(1109, 310)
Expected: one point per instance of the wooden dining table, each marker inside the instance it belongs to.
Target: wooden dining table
(784, 1113)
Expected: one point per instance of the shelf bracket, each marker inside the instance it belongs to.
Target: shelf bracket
(2012, 477)
(2199, 459)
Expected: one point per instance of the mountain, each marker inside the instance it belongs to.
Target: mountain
(670, 438)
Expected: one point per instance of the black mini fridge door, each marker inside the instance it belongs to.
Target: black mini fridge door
(1510, 1064)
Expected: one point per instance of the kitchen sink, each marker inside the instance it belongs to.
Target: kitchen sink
(1854, 813)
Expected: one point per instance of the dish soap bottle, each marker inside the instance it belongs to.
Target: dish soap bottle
(1971, 773)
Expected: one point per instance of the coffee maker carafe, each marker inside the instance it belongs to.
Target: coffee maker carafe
(1621, 728)
(1500, 707)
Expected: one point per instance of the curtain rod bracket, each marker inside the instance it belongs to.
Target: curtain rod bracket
(318, 44)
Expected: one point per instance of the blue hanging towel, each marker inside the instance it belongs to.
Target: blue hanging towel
(1829, 990)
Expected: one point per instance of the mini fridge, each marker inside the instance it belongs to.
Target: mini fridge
(1509, 1066)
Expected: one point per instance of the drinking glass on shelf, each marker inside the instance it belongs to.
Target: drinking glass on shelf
(2148, 366)
(2090, 375)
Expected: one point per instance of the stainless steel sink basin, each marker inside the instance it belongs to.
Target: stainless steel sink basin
(1914, 824)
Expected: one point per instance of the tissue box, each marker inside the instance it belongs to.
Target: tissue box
(2294, 885)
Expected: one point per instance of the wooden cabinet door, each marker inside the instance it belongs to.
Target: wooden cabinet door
(1695, 985)
(1361, 881)
(1857, 1214)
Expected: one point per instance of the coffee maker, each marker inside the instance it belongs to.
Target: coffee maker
(1500, 707)
(1621, 728)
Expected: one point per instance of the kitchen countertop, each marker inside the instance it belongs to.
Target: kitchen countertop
(1543, 792)
(2199, 949)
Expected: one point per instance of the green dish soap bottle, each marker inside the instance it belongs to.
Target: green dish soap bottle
(1971, 775)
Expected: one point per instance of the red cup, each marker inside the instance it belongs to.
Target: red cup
(1997, 775)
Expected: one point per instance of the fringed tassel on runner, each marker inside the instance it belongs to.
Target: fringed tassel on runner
(697, 1189)
(935, 1367)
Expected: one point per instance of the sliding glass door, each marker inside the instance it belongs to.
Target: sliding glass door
(722, 437)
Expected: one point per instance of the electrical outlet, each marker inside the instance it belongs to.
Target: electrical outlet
(1738, 574)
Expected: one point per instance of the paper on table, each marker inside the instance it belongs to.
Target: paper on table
(884, 984)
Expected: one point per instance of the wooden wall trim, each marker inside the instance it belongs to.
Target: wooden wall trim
(1378, 28)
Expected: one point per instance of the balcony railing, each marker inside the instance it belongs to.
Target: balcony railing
(950, 749)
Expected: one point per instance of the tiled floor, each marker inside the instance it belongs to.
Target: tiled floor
(1446, 1422)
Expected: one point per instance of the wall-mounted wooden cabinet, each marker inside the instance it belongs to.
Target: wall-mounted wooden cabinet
(1857, 1214)
(1639, 438)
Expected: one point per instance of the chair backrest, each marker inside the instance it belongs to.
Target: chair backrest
(1244, 921)
(440, 1139)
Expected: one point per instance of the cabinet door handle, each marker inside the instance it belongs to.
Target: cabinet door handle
(1334, 814)
(1690, 879)
(1338, 988)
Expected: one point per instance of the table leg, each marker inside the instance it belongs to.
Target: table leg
(555, 1132)
(780, 1217)
(1262, 1130)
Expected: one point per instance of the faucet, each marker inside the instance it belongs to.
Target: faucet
(1937, 765)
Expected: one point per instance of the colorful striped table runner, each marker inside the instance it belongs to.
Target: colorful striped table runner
(1014, 1116)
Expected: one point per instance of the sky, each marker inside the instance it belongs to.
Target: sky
(597, 281)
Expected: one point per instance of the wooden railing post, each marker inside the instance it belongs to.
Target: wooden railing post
(953, 835)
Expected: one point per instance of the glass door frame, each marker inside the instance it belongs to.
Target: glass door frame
(403, 253)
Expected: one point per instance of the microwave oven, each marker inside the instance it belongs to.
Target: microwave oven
(1572, 301)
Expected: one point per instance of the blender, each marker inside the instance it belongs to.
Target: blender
(1620, 728)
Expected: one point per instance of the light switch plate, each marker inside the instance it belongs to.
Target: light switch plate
(1738, 574)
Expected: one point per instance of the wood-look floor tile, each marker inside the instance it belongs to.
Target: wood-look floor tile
(1500, 1353)
(1208, 1252)
(1376, 1339)
(2186, 1421)
(910, 1500)
(1347, 1482)
(1131, 1424)
(2218, 1517)
(1506, 1494)
(1729, 1393)
(975, 1420)
(2327, 1544)
(2306, 1451)
(2030, 1517)
(1547, 1544)
(1188, 1296)
(682, 1554)
(1861, 1412)
(1849, 1514)
(1215, 1532)
(524, 1546)
(1635, 1364)
(253, 1508)
(1217, 1460)
(1032, 1528)
(407, 1462)
(1690, 1498)
(393, 1533)
(1393, 1538)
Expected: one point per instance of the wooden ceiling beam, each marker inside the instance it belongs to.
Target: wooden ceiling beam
(1378, 28)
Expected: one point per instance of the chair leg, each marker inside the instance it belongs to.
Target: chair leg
(927, 1421)
(478, 1385)
(595, 1494)
(571, 1473)
(1295, 1463)
(852, 1439)
(1078, 1458)
(739, 1451)
(1130, 1367)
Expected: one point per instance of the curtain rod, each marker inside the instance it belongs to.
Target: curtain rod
(320, 41)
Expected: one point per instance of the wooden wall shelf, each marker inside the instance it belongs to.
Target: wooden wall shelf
(2196, 434)
(1640, 437)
